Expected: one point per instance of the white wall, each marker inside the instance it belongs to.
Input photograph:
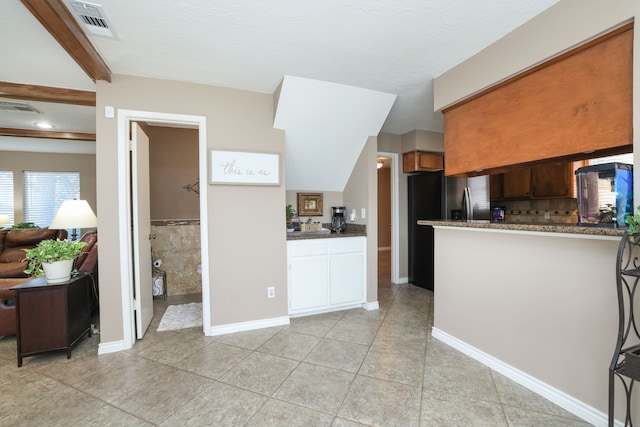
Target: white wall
(360, 192)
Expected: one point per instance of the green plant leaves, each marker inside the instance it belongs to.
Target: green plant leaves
(51, 251)
(291, 213)
(633, 221)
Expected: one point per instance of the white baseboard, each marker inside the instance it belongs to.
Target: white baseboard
(571, 404)
(249, 326)
(370, 306)
(311, 312)
(402, 280)
(110, 347)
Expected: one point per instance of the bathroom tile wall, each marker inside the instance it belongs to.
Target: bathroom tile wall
(559, 211)
(177, 244)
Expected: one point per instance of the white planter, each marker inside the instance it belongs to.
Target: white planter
(57, 272)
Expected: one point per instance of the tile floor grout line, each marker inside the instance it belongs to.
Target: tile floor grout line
(403, 310)
(92, 397)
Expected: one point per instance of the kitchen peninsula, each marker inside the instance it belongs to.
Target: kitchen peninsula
(327, 271)
(536, 303)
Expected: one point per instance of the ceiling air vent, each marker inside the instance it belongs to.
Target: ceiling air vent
(18, 107)
(92, 18)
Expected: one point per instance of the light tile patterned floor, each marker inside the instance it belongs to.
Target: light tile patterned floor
(349, 368)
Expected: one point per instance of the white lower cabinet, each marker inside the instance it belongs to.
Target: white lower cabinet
(346, 282)
(326, 274)
(308, 280)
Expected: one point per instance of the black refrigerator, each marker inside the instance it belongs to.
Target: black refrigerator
(426, 201)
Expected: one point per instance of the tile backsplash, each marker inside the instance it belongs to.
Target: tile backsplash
(559, 211)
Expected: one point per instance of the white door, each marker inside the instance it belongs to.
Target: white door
(143, 295)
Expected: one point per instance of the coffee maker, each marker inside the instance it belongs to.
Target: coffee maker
(338, 221)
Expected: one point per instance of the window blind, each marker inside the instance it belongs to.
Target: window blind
(6, 194)
(44, 192)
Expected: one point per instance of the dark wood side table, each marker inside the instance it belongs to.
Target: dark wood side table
(52, 317)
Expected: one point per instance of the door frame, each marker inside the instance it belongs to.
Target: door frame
(395, 214)
(125, 117)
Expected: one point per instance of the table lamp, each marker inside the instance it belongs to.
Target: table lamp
(74, 214)
(4, 219)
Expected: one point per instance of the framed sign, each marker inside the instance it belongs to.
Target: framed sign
(243, 167)
(309, 204)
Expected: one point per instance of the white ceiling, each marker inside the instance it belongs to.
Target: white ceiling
(391, 46)
(349, 116)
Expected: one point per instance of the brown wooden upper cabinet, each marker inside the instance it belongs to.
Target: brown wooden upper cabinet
(576, 103)
(516, 184)
(552, 180)
(545, 181)
(495, 186)
(422, 161)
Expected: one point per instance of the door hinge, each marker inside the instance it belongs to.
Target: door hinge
(130, 145)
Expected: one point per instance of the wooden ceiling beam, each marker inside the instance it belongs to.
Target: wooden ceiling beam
(30, 133)
(47, 94)
(56, 18)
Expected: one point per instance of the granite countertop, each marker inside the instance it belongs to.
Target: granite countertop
(353, 230)
(547, 228)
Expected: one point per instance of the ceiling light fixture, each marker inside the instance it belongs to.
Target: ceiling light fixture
(44, 125)
(380, 163)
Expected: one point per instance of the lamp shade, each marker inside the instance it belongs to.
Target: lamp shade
(74, 214)
(5, 219)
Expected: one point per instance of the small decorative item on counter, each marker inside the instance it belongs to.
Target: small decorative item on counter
(310, 226)
(498, 214)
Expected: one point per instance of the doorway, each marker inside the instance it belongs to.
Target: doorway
(126, 214)
(390, 186)
(174, 209)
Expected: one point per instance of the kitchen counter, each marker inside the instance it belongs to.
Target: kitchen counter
(302, 235)
(352, 230)
(527, 228)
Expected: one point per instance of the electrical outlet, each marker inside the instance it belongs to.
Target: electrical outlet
(271, 292)
(363, 213)
(547, 215)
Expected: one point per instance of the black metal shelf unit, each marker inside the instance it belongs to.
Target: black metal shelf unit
(625, 364)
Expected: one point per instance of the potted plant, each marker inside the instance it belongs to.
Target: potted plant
(633, 223)
(54, 259)
(291, 218)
